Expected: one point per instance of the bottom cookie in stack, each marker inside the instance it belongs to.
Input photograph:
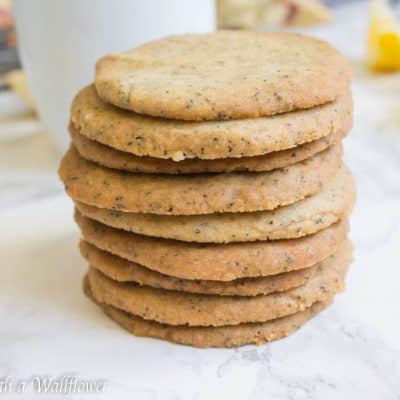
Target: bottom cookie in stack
(225, 336)
(255, 310)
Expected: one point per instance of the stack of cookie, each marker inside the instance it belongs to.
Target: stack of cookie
(209, 186)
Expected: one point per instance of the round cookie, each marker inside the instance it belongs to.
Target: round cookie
(206, 336)
(303, 218)
(179, 140)
(92, 184)
(223, 75)
(222, 262)
(121, 270)
(179, 308)
(116, 159)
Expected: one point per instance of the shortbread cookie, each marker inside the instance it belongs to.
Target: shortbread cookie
(223, 75)
(111, 158)
(102, 187)
(303, 218)
(180, 308)
(202, 336)
(179, 140)
(222, 262)
(119, 269)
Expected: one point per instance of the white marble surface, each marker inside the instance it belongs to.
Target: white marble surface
(351, 351)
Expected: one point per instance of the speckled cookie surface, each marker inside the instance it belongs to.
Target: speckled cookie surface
(223, 262)
(201, 336)
(179, 308)
(178, 140)
(303, 218)
(102, 187)
(223, 75)
(119, 269)
(111, 158)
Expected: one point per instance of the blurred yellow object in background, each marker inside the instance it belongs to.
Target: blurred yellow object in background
(18, 83)
(383, 38)
(253, 13)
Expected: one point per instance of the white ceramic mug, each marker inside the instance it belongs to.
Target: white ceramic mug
(61, 40)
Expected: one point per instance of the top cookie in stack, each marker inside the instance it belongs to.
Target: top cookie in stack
(229, 139)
